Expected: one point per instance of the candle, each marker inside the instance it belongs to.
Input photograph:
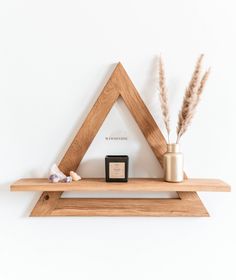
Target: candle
(116, 167)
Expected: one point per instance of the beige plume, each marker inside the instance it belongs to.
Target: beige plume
(191, 99)
(164, 98)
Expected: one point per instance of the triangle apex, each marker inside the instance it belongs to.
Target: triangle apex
(119, 64)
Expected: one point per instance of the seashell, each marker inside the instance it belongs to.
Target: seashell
(54, 178)
(68, 179)
(56, 171)
(75, 176)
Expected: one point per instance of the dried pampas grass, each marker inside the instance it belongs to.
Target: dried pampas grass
(191, 98)
(164, 98)
(190, 101)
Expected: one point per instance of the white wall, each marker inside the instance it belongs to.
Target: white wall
(55, 57)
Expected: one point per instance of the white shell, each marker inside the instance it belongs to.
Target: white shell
(56, 171)
(75, 176)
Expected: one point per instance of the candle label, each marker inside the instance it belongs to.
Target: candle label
(117, 170)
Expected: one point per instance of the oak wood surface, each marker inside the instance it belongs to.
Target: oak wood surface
(133, 185)
(141, 114)
(85, 135)
(91, 125)
(127, 207)
(46, 204)
(51, 203)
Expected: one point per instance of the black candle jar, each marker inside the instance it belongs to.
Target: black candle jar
(116, 167)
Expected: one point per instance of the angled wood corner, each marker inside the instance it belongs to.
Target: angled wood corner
(51, 203)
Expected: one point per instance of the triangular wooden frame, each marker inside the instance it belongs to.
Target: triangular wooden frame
(119, 85)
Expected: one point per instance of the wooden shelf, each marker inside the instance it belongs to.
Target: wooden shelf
(118, 207)
(51, 202)
(133, 185)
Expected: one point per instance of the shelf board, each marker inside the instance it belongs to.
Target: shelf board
(120, 207)
(133, 185)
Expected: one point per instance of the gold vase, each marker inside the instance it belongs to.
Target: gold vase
(173, 162)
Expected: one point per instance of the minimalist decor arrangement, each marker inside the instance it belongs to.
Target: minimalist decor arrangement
(116, 168)
(56, 176)
(52, 204)
(173, 159)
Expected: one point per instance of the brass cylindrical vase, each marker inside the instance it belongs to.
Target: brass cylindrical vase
(173, 162)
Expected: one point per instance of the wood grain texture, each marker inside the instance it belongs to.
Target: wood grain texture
(91, 125)
(143, 117)
(46, 204)
(128, 207)
(83, 138)
(141, 114)
(133, 185)
(50, 203)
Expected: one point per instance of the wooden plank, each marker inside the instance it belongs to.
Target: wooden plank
(82, 140)
(46, 203)
(143, 117)
(127, 207)
(141, 114)
(133, 185)
(91, 125)
(50, 203)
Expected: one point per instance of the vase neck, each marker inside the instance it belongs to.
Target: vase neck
(173, 148)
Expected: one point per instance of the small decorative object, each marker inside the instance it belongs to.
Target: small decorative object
(54, 178)
(56, 171)
(173, 163)
(116, 167)
(75, 176)
(56, 175)
(173, 159)
(67, 179)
